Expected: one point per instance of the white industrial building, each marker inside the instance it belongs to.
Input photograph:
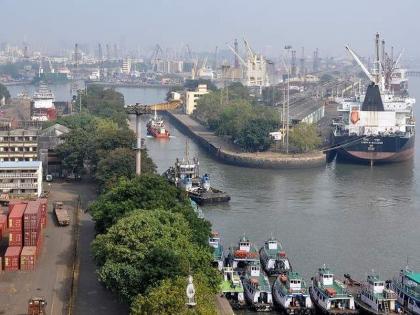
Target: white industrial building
(21, 178)
(191, 98)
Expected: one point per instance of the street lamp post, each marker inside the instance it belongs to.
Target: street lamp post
(138, 110)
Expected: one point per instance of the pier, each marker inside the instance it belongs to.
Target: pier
(229, 153)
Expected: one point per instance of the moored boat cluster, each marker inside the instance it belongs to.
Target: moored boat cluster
(246, 271)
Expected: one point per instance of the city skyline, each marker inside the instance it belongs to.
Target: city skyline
(268, 25)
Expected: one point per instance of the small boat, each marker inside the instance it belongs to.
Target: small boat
(329, 295)
(257, 288)
(232, 288)
(243, 254)
(156, 127)
(273, 258)
(218, 255)
(375, 297)
(407, 287)
(291, 294)
(185, 174)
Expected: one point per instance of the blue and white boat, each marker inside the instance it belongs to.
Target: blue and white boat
(291, 294)
(407, 287)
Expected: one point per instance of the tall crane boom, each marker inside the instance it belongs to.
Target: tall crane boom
(237, 55)
(365, 70)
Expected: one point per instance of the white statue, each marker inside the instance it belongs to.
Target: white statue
(191, 292)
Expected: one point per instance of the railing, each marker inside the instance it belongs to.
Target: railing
(18, 175)
(18, 186)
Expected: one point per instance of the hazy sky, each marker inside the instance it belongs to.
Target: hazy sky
(267, 24)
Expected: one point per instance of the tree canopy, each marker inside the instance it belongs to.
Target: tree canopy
(146, 192)
(103, 102)
(146, 247)
(234, 113)
(304, 137)
(168, 297)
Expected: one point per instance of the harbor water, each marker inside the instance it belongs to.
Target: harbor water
(354, 218)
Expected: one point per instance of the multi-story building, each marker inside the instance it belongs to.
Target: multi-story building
(21, 178)
(191, 98)
(18, 145)
(126, 66)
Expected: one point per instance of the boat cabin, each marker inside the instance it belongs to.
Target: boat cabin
(272, 244)
(255, 270)
(244, 245)
(326, 277)
(214, 240)
(375, 285)
(295, 281)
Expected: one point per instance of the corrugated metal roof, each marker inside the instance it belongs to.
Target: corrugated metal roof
(20, 164)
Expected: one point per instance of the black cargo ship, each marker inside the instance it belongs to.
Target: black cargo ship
(376, 128)
(372, 149)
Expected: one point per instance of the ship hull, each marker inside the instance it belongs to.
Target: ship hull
(374, 149)
(155, 133)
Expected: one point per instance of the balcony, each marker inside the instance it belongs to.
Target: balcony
(18, 186)
(18, 175)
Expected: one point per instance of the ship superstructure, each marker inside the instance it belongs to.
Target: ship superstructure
(42, 105)
(377, 126)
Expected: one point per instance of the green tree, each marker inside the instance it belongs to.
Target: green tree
(255, 134)
(146, 192)
(4, 92)
(104, 102)
(121, 162)
(168, 297)
(148, 246)
(234, 117)
(304, 137)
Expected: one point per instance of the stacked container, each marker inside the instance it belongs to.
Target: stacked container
(11, 258)
(16, 225)
(32, 223)
(44, 208)
(3, 225)
(28, 258)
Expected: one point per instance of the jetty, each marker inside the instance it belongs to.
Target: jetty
(229, 153)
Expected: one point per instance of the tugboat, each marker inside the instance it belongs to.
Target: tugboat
(373, 297)
(273, 258)
(291, 294)
(243, 254)
(232, 288)
(257, 288)
(407, 287)
(156, 127)
(218, 255)
(185, 174)
(330, 295)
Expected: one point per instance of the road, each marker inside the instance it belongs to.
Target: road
(52, 278)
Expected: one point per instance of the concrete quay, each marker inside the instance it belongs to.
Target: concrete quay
(229, 153)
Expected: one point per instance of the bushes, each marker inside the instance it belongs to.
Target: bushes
(304, 137)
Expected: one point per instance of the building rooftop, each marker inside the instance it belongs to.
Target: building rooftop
(20, 164)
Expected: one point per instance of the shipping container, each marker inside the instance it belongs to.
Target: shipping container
(14, 202)
(28, 258)
(32, 215)
(16, 217)
(30, 237)
(15, 238)
(3, 223)
(44, 222)
(11, 258)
